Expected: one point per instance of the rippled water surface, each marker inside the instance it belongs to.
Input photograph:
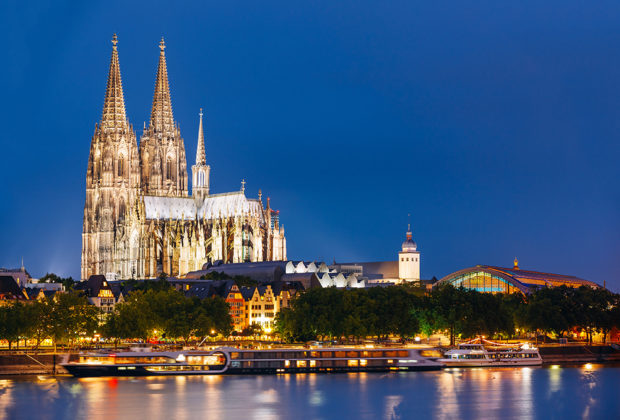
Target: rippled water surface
(590, 391)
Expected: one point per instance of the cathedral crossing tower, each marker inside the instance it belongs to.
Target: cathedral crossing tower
(200, 171)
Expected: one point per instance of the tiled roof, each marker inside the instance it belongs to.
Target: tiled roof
(9, 287)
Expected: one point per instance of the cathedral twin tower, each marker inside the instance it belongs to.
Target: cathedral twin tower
(138, 218)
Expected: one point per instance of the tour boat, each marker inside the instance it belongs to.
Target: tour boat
(227, 360)
(476, 355)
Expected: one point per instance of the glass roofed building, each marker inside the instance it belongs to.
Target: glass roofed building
(486, 278)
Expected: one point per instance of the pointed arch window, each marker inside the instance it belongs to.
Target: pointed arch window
(169, 169)
(122, 166)
(122, 210)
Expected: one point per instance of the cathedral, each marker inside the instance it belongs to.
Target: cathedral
(139, 219)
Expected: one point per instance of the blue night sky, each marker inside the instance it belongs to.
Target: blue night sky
(495, 125)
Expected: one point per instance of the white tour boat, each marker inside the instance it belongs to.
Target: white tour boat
(477, 355)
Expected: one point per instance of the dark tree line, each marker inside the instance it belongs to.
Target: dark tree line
(353, 314)
(170, 313)
(405, 311)
(67, 282)
(153, 309)
(64, 319)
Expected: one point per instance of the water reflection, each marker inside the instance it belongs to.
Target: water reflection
(588, 391)
(6, 398)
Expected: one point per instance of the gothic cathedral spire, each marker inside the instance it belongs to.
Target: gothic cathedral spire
(114, 116)
(161, 113)
(162, 152)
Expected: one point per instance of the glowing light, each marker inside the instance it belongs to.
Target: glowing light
(589, 366)
(417, 339)
(181, 358)
(555, 366)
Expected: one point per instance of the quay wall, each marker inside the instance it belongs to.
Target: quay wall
(32, 364)
(579, 354)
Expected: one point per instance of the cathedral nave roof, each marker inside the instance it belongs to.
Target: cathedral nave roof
(213, 206)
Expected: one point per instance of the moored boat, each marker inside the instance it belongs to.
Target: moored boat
(227, 360)
(477, 355)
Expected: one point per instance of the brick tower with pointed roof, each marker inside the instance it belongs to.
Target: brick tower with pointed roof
(112, 176)
(162, 151)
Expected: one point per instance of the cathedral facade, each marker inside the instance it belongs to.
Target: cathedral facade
(139, 219)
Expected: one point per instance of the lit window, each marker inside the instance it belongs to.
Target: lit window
(301, 363)
(352, 362)
(363, 362)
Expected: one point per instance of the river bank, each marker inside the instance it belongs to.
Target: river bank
(49, 363)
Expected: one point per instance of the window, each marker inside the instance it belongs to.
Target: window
(121, 166)
(169, 169)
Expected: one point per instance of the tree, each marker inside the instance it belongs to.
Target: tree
(10, 322)
(551, 310)
(593, 310)
(170, 311)
(35, 320)
(131, 319)
(70, 316)
(252, 330)
(451, 310)
(67, 282)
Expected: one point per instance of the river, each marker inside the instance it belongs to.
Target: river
(586, 391)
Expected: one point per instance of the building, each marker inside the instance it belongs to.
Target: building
(10, 290)
(139, 219)
(21, 276)
(248, 305)
(308, 273)
(486, 278)
(404, 270)
(101, 293)
(409, 260)
(262, 304)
